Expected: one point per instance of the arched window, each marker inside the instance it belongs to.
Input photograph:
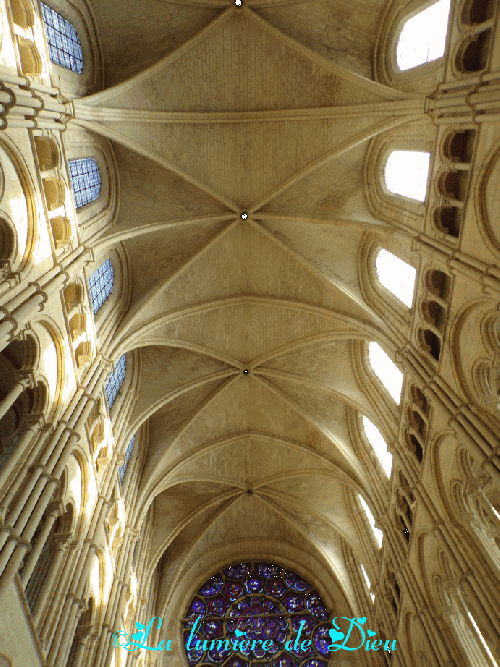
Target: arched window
(379, 535)
(101, 285)
(368, 583)
(85, 180)
(396, 276)
(64, 46)
(379, 445)
(423, 36)
(386, 371)
(258, 605)
(123, 468)
(115, 382)
(406, 174)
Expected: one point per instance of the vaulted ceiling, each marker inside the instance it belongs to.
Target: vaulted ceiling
(240, 136)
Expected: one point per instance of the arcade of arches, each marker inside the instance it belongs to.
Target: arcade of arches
(249, 328)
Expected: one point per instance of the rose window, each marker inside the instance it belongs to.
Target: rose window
(257, 601)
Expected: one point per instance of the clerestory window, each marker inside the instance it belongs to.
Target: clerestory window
(115, 381)
(85, 180)
(423, 37)
(368, 583)
(379, 535)
(386, 370)
(128, 453)
(396, 276)
(379, 445)
(406, 174)
(101, 285)
(64, 46)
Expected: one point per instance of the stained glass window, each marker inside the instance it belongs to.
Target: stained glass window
(64, 46)
(115, 381)
(101, 285)
(123, 468)
(85, 180)
(262, 601)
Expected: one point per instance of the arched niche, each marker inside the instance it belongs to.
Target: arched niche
(55, 191)
(7, 242)
(459, 145)
(475, 12)
(473, 53)
(61, 231)
(73, 296)
(22, 13)
(448, 219)
(17, 210)
(31, 62)
(453, 184)
(51, 363)
(47, 152)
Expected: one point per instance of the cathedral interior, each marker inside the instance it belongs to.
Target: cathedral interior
(249, 333)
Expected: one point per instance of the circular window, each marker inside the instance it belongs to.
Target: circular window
(264, 606)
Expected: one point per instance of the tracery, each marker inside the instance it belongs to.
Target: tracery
(265, 601)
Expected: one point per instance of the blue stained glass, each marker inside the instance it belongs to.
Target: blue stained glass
(64, 46)
(294, 602)
(212, 586)
(123, 468)
(233, 591)
(254, 585)
(85, 180)
(295, 582)
(268, 571)
(217, 606)
(261, 600)
(115, 381)
(237, 571)
(101, 285)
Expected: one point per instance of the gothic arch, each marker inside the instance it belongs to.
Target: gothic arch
(17, 212)
(91, 79)
(421, 78)
(80, 143)
(401, 212)
(486, 199)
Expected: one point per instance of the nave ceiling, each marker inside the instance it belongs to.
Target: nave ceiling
(266, 110)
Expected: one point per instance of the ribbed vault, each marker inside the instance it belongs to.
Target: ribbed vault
(268, 111)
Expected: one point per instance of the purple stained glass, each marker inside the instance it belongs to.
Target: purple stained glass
(254, 585)
(315, 606)
(212, 629)
(295, 582)
(294, 602)
(265, 602)
(308, 621)
(217, 606)
(233, 590)
(268, 571)
(237, 571)
(212, 586)
(284, 661)
(276, 588)
(321, 639)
